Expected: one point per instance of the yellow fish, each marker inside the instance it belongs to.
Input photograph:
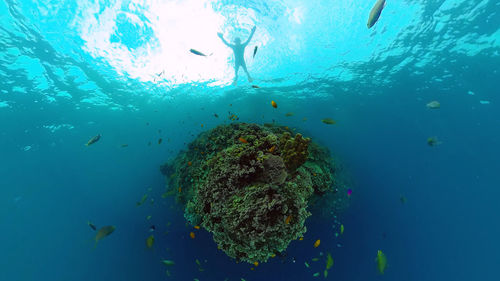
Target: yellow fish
(329, 261)
(287, 220)
(103, 232)
(150, 241)
(316, 244)
(93, 140)
(381, 262)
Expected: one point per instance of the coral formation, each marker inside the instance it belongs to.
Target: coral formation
(250, 186)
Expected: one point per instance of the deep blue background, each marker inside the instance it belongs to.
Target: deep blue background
(448, 229)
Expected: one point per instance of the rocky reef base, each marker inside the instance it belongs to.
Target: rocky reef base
(253, 186)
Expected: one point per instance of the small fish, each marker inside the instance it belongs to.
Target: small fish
(301, 238)
(289, 114)
(190, 163)
(274, 104)
(160, 140)
(349, 192)
(255, 87)
(104, 232)
(272, 149)
(93, 140)
(316, 244)
(198, 53)
(484, 102)
(191, 234)
(325, 273)
(152, 228)
(256, 263)
(143, 199)
(91, 225)
(197, 262)
(306, 264)
(216, 116)
(316, 274)
(243, 140)
(315, 259)
(433, 141)
(381, 262)
(375, 13)
(341, 229)
(329, 261)
(150, 241)
(255, 51)
(148, 217)
(328, 121)
(433, 105)
(168, 262)
(197, 227)
(287, 220)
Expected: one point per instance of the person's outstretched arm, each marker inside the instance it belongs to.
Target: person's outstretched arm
(250, 37)
(223, 40)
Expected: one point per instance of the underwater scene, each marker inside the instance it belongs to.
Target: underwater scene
(226, 140)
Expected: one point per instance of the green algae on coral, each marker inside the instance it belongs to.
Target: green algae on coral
(243, 192)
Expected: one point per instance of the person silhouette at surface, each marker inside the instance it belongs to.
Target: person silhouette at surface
(239, 52)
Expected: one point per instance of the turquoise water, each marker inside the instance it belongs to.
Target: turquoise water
(72, 69)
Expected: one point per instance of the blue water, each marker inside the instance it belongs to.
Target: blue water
(72, 69)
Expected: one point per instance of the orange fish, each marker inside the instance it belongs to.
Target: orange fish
(272, 149)
(256, 263)
(180, 189)
(202, 125)
(243, 140)
(189, 163)
(274, 104)
(197, 227)
(191, 235)
(287, 220)
(316, 244)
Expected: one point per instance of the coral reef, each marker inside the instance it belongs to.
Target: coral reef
(251, 186)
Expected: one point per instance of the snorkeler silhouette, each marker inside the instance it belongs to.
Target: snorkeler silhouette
(239, 51)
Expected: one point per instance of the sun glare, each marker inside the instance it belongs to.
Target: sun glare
(151, 40)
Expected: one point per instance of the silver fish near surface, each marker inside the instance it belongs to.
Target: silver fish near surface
(375, 13)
